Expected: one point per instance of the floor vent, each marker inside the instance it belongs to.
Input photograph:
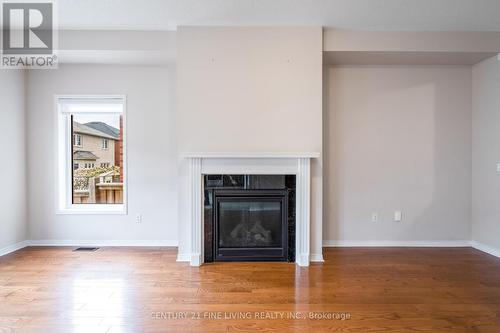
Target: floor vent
(86, 249)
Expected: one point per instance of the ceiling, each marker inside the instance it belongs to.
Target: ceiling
(390, 15)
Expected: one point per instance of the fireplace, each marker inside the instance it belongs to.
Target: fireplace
(211, 171)
(249, 218)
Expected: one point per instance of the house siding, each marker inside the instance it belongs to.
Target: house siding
(94, 145)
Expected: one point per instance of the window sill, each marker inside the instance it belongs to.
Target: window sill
(93, 210)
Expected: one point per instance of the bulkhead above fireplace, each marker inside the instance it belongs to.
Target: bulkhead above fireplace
(249, 218)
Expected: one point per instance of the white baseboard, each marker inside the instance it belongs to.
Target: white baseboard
(302, 259)
(103, 243)
(13, 247)
(486, 248)
(186, 257)
(317, 257)
(439, 243)
(183, 257)
(196, 259)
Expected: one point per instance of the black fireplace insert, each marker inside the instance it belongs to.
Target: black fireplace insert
(249, 218)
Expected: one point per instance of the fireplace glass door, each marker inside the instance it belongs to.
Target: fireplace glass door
(251, 225)
(248, 223)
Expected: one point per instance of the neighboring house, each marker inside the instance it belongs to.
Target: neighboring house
(110, 130)
(105, 128)
(94, 145)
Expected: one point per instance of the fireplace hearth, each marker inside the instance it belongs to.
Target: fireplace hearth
(249, 218)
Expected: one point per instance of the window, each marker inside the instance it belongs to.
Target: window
(77, 140)
(91, 154)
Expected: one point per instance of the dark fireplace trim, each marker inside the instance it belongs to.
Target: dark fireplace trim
(252, 254)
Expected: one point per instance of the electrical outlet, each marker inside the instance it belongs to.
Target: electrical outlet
(138, 218)
(498, 167)
(374, 217)
(398, 216)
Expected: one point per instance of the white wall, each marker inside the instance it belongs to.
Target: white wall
(13, 205)
(152, 153)
(252, 89)
(397, 138)
(485, 155)
(249, 89)
(394, 137)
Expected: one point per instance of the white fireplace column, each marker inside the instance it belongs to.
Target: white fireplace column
(196, 213)
(233, 163)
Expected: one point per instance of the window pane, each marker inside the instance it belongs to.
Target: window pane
(97, 158)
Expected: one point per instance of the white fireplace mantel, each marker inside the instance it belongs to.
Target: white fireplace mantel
(250, 155)
(250, 163)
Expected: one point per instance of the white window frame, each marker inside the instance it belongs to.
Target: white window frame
(105, 146)
(64, 160)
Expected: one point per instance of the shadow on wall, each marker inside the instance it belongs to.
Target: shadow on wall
(397, 138)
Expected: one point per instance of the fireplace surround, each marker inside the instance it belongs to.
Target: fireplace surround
(203, 164)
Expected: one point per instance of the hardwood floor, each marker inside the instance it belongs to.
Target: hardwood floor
(145, 290)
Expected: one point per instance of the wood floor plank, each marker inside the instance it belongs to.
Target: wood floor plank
(45, 289)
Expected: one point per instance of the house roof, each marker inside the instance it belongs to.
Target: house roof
(105, 128)
(84, 129)
(84, 155)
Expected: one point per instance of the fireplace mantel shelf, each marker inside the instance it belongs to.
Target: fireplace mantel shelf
(250, 155)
